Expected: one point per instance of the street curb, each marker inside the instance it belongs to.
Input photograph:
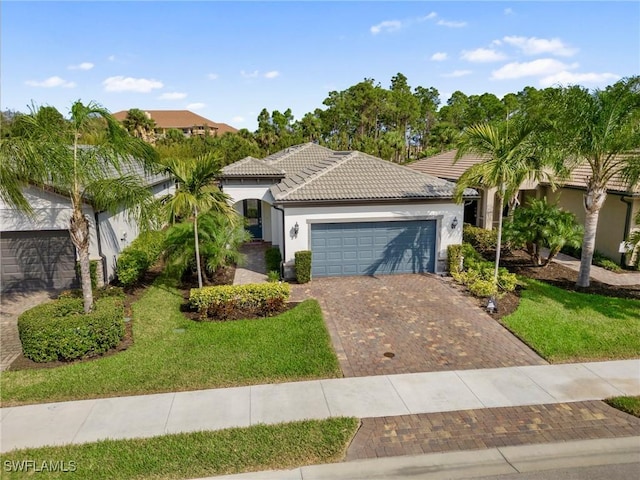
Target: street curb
(467, 464)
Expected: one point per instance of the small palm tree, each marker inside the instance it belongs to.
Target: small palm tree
(52, 153)
(511, 155)
(197, 193)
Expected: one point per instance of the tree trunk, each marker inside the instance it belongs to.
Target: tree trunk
(195, 233)
(593, 201)
(79, 230)
(499, 236)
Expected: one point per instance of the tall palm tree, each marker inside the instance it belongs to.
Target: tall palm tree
(511, 155)
(51, 153)
(197, 193)
(600, 129)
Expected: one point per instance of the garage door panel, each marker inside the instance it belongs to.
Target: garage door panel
(369, 248)
(37, 260)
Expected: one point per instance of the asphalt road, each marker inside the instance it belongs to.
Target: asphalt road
(625, 471)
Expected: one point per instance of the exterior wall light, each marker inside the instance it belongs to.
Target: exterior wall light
(296, 229)
(454, 223)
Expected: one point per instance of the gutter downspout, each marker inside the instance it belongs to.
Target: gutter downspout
(103, 259)
(627, 223)
(284, 243)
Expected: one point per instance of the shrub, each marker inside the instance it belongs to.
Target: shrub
(481, 239)
(454, 258)
(273, 276)
(60, 330)
(132, 264)
(102, 292)
(605, 262)
(273, 257)
(240, 301)
(478, 274)
(93, 272)
(135, 260)
(303, 266)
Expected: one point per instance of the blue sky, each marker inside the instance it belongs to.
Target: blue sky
(228, 60)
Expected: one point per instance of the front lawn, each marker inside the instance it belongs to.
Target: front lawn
(190, 455)
(172, 353)
(567, 326)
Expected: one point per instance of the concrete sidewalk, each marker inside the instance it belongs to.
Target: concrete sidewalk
(600, 274)
(467, 464)
(151, 415)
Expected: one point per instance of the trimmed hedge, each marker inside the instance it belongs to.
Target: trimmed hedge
(60, 330)
(273, 257)
(137, 258)
(478, 273)
(303, 266)
(226, 302)
(454, 258)
(93, 272)
(481, 239)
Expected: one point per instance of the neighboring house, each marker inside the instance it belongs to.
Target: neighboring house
(617, 215)
(358, 214)
(37, 253)
(191, 124)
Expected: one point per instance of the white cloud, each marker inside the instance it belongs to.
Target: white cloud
(237, 119)
(387, 26)
(253, 74)
(575, 78)
(130, 84)
(111, 58)
(51, 82)
(457, 73)
(431, 16)
(172, 96)
(482, 55)
(439, 56)
(451, 24)
(272, 74)
(81, 66)
(196, 106)
(509, 11)
(213, 76)
(536, 68)
(539, 46)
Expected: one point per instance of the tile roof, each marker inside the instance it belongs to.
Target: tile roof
(180, 119)
(442, 166)
(251, 167)
(316, 173)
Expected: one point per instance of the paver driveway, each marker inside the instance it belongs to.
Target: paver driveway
(418, 321)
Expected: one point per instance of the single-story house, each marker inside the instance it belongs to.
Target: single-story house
(616, 221)
(184, 120)
(37, 252)
(357, 214)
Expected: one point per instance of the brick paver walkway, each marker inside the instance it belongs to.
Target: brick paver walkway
(254, 267)
(410, 323)
(11, 306)
(489, 428)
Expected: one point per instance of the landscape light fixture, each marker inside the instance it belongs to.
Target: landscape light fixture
(454, 223)
(492, 305)
(296, 229)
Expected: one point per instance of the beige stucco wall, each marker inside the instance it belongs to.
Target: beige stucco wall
(611, 221)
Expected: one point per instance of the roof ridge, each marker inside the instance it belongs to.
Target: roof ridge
(292, 150)
(323, 171)
(407, 168)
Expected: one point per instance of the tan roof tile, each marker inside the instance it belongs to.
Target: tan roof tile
(180, 119)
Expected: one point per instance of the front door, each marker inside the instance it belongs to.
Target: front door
(253, 213)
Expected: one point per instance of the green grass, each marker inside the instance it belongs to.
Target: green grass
(292, 346)
(200, 454)
(630, 405)
(568, 326)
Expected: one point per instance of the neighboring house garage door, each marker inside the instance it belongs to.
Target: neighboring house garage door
(37, 260)
(372, 248)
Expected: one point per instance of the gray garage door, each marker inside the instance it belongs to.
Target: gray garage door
(372, 248)
(37, 260)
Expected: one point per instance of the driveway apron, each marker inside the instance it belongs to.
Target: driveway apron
(410, 323)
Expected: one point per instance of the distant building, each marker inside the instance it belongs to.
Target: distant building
(188, 122)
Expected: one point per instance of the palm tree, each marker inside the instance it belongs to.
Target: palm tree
(600, 129)
(140, 125)
(51, 154)
(511, 155)
(197, 193)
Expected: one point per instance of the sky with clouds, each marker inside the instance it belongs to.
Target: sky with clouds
(228, 60)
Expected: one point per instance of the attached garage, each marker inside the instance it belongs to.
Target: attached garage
(369, 248)
(37, 260)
